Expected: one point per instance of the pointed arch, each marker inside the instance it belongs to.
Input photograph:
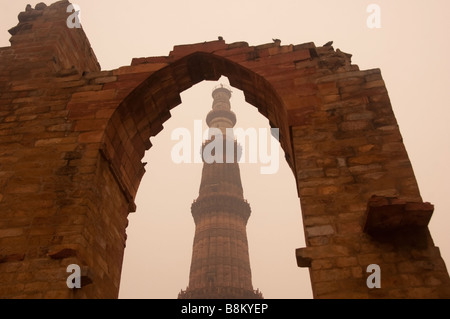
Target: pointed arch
(142, 113)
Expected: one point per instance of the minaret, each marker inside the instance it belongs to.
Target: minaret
(220, 266)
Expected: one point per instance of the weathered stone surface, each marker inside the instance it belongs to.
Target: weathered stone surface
(72, 138)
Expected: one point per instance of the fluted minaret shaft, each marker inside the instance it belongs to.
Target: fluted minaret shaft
(220, 266)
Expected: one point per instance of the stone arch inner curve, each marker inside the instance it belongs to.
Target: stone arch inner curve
(141, 114)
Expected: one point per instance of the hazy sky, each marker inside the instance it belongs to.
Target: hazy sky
(411, 48)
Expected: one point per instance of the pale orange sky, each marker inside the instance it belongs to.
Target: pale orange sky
(411, 49)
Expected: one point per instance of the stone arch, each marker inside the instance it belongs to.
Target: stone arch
(71, 150)
(141, 114)
(340, 138)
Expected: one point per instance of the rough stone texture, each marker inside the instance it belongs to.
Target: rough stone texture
(72, 138)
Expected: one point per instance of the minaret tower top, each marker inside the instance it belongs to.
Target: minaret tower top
(221, 116)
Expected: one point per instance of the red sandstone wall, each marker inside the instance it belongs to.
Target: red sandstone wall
(72, 138)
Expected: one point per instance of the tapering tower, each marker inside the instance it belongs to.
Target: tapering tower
(220, 266)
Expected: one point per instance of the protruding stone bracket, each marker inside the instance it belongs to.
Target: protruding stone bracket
(59, 253)
(303, 260)
(386, 215)
(11, 258)
(62, 253)
(86, 276)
